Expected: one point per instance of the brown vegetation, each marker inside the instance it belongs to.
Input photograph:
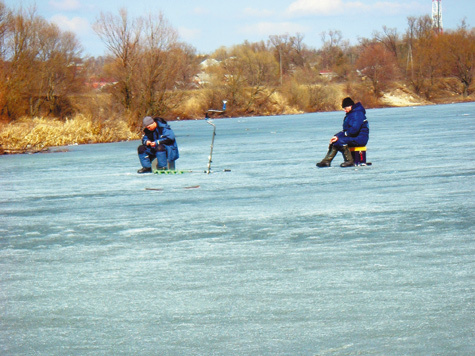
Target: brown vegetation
(38, 134)
(50, 95)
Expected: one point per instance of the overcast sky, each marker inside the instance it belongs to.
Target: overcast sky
(210, 24)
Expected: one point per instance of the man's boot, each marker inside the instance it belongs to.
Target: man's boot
(326, 162)
(144, 170)
(349, 162)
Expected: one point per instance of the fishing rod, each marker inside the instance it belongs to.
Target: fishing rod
(209, 121)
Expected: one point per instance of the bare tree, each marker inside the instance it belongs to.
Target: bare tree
(378, 64)
(258, 69)
(38, 60)
(19, 53)
(460, 54)
(332, 53)
(121, 35)
(3, 29)
(246, 76)
(3, 66)
(57, 71)
(390, 39)
(424, 61)
(159, 65)
(149, 62)
(289, 51)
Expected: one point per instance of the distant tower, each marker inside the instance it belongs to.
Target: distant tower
(437, 15)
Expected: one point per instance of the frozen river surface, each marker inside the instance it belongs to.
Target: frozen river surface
(275, 257)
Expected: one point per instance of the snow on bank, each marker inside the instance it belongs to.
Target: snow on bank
(400, 98)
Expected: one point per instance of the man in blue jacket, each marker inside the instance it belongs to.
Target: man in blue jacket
(355, 133)
(158, 142)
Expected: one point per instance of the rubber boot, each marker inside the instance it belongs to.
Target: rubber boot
(326, 162)
(349, 162)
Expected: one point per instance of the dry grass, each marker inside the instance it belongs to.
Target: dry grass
(33, 135)
(192, 107)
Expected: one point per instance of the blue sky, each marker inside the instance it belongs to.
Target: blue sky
(210, 24)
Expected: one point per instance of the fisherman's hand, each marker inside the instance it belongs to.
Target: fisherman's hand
(333, 139)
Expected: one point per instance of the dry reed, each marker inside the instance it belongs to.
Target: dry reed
(33, 135)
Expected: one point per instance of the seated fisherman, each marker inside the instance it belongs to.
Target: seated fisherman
(355, 133)
(158, 142)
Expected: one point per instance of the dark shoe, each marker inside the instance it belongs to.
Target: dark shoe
(145, 170)
(349, 162)
(326, 162)
(323, 164)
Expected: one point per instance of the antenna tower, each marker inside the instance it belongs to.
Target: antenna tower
(437, 15)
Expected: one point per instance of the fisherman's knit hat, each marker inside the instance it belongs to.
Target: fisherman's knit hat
(347, 102)
(147, 120)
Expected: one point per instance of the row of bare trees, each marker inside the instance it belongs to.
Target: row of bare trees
(152, 69)
(38, 71)
(151, 72)
(424, 60)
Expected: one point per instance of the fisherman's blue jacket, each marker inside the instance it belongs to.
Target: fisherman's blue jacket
(355, 127)
(162, 135)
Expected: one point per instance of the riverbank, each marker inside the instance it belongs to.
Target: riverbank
(40, 135)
